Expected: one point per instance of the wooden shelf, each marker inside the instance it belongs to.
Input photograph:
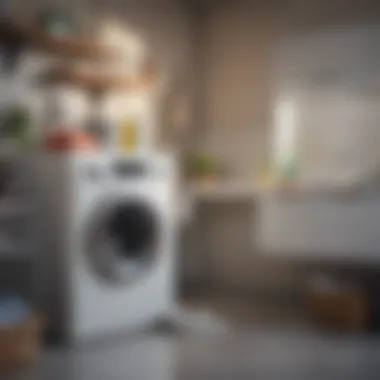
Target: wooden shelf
(95, 82)
(76, 47)
(66, 46)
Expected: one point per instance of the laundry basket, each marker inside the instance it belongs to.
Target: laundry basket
(20, 345)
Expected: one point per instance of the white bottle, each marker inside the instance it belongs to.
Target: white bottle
(66, 109)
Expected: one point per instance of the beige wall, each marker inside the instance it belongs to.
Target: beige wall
(236, 91)
(236, 44)
(238, 38)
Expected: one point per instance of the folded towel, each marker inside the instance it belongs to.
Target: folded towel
(13, 311)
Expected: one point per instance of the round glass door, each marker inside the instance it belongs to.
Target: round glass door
(123, 241)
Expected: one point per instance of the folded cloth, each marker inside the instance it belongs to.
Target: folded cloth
(14, 311)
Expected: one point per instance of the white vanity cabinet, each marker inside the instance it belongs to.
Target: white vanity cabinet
(320, 227)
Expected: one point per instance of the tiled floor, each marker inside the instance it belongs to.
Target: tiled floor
(244, 356)
(255, 351)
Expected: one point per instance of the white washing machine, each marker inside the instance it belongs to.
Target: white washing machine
(107, 243)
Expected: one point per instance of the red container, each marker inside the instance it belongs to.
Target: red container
(68, 141)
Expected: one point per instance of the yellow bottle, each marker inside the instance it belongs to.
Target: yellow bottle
(129, 136)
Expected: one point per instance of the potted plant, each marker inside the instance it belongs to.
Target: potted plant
(15, 126)
(203, 168)
(57, 21)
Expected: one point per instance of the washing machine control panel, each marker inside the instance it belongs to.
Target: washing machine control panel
(98, 172)
(130, 169)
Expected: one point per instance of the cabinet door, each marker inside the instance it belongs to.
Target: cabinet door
(341, 57)
(337, 138)
(323, 227)
(330, 83)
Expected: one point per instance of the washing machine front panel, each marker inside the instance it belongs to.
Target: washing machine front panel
(127, 278)
(136, 284)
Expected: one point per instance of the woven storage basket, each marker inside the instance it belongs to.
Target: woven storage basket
(20, 345)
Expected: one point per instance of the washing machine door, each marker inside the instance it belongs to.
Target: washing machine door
(123, 241)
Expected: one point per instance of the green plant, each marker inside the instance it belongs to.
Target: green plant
(15, 122)
(57, 21)
(202, 164)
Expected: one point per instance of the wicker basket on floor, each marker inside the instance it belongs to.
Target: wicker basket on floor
(344, 311)
(20, 345)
